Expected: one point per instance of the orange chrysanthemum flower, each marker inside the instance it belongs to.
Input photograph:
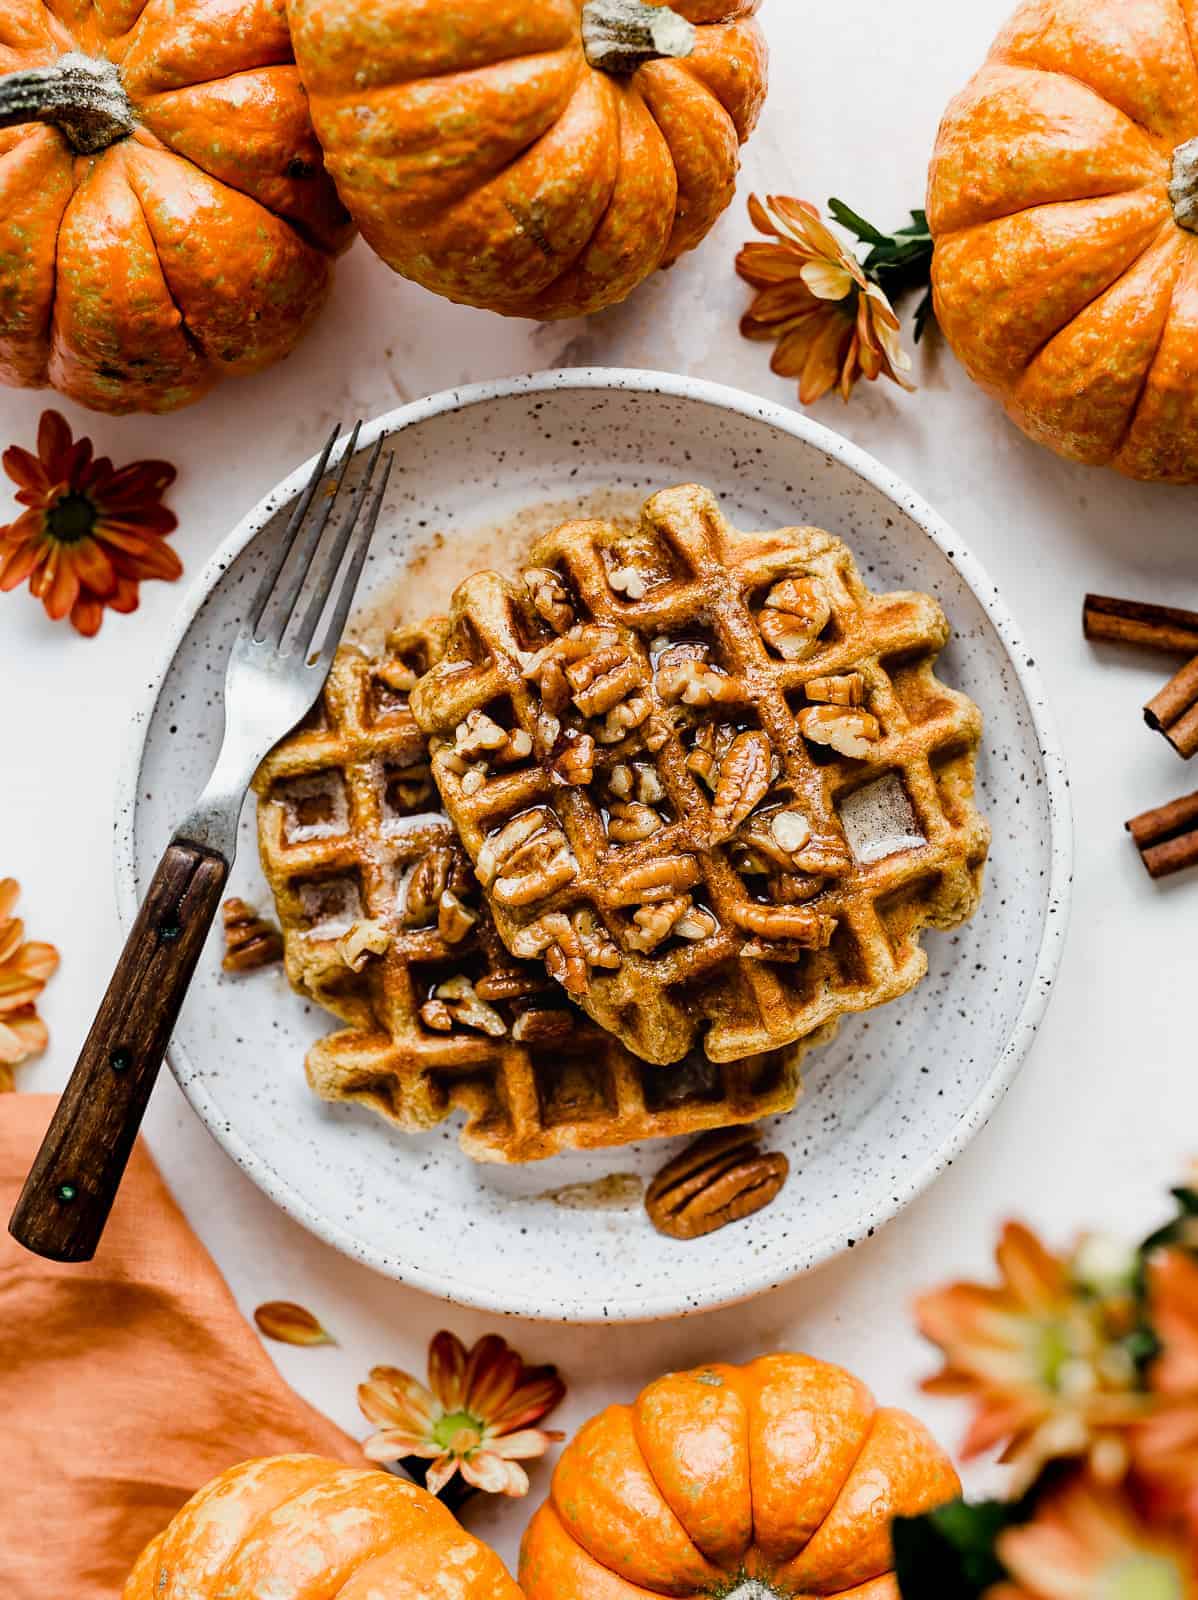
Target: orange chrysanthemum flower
(1090, 1542)
(830, 324)
(476, 1416)
(24, 968)
(1165, 1447)
(1042, 1357)
(91, 533)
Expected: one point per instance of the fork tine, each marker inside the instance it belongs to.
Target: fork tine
(353, 571)
(330, 562)
(306, 545)
(266, 588)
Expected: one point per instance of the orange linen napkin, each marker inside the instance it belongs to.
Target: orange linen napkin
(125, 1384)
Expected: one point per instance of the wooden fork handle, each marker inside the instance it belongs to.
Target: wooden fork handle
(70, 1189)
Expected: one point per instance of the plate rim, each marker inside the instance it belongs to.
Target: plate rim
(560, 1305)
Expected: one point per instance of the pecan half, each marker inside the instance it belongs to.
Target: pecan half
(250, 940)
(653, 923)
(795, 613)
(745, 775)
(629, 822)
(780, 924)
(724, 1177)
(846, 690)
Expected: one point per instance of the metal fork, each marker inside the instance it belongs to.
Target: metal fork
(269, 686)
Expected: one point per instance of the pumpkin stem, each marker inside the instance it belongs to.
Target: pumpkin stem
(621, 35)
(80, 95)
(1183, 186)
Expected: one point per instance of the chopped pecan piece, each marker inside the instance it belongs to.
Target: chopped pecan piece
(712, 743)
(364, 939)
(795, 613)
(435, 1014)
(622, 719)
(745, 776)
(698, 923)
(653, 923)
(454, 920)
(846, 690)
(630, 822)
(571, 947)
(779, 924)
(459, 998)
(791, 830)
(724, 1177)
(526, 860)
(573, 760)
(684, 673)
(543, 1027)
(409, 788)
(849, 733)
(550, 598)
(478, 733)
(437, 870)
(629, 581)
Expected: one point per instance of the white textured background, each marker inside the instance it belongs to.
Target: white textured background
(1104, 1114)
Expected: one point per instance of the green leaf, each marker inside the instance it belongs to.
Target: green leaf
(856, 225)
(950, 1553)
(925, 312)
(899, 262)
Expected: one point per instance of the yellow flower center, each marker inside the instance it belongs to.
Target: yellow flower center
(71, 518)
(458, 1432)
(1142, 1577)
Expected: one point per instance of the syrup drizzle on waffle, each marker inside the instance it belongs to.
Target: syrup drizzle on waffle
(645, 748)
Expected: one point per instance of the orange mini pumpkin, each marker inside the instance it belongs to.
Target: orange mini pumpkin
(535, 157)
(1063, 200)
(300, 1525)
(779, 1479)
(165, 217)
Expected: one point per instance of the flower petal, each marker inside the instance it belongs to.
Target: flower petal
(22, 1036)
(527, 1445)
(441, 1471)
(289, 1323)
(447, 1369)
(829, 280)
(396, 1398)
(491, 1474)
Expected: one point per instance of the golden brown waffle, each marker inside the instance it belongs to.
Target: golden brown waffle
(383, 926)
(707, 775)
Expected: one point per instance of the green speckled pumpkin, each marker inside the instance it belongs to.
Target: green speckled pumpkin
(537, 157)
(165, 217)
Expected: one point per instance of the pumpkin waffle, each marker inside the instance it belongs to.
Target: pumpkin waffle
(707, 776)
(383, 926)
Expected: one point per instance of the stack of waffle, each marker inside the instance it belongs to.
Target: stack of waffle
(600, 858)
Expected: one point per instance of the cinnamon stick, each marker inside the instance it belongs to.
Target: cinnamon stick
(1167, 838)
(1134, 622)
(1174, 711)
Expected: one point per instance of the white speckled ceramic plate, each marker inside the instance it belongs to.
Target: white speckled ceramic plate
(887, 1106)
